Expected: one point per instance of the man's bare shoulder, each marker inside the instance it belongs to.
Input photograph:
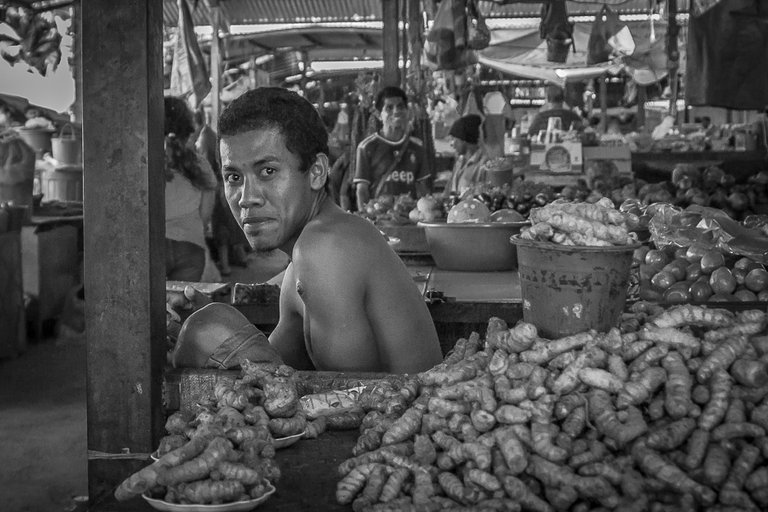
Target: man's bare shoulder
(338, 232)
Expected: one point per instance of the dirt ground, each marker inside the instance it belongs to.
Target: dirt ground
(43, 427)
(43, 442)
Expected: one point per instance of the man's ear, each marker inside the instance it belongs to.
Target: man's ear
(318, 172)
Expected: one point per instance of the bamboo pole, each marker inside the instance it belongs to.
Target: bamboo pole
(391, 50)
(215, 64)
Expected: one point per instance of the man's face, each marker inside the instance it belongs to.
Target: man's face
(394, 114)
(459, 146)
(266, 191)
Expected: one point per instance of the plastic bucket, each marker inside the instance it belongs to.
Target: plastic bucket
(66, 148)
(569, 289)
(62, 185)
(38, 139)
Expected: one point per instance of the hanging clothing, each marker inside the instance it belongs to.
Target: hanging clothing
(727, 59)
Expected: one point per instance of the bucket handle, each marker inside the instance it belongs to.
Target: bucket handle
(72, 135)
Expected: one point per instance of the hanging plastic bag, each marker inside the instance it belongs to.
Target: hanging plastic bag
(446, 45)
(479, 36)
(606, 24)
(557, 30)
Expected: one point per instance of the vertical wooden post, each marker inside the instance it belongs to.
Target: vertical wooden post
(390, 50)
(673, 55)
(215, 64)
(603, 81)
(124, 234)
(642, 97)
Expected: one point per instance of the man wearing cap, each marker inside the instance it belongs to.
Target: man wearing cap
(468, 170)
(390, 161)
(347, 301)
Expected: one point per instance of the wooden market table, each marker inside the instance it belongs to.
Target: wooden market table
(460, 302)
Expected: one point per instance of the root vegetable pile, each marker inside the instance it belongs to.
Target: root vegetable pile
(667, 412)
(224, 452)
(584, 224)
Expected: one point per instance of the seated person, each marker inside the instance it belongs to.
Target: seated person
(391, 161)
(554, 108)
(468, 169)
(347, 301)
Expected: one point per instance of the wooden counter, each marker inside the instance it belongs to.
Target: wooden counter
(308, 478)
(460, 302)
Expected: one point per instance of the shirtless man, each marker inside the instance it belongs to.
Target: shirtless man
(347, 301)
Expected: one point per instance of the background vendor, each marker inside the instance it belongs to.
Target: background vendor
(391, 161)
(555, 107)
(468, 170)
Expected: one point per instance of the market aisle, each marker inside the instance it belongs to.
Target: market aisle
(43, 427)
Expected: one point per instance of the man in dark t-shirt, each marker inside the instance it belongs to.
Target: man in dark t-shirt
(555, 100)
(390, 161)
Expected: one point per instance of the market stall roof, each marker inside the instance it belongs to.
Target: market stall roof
(245, 12)
(318, 42)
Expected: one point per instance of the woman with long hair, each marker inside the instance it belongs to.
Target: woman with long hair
(190, 192)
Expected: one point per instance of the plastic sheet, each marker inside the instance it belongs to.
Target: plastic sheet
(710, 228)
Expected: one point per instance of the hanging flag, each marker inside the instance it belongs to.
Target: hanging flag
(189, 74)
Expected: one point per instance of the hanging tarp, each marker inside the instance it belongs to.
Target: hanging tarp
(524, 54)
(521, 52)
(728, 56)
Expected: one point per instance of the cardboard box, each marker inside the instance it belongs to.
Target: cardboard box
(621, 156)
(557, 157)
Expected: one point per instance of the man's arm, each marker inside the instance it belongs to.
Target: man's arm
(362, 178)
(288, 336)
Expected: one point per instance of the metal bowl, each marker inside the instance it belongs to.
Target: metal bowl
(473, 247)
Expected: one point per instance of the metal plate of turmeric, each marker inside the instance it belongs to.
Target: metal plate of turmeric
(285, 442)
(235, 506)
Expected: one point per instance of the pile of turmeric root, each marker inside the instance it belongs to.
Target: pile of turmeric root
(224, 451)
(582, 224)
(669, 411)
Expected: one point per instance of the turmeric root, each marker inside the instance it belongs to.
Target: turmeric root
(284, 427)
(750, 372)
(722, 357)
(235, 471)
(597, 378)
(423, 489)
(696, 448)
(672, 435)
(746, 329)
(146, 478)
(512, 414)
(519, 491)
(689, 314)
(514, 340)
(638, 391)
(281, 398)
(404, 427)
(315, 428)
(353, 482)
(677, 396)
(717, 465)
(512, 450)
(404, 449)
(655, 465)
(671, 336)
(177, 423)
(714, 410)
(556, 347)
(394, 484)
(542, 436)
(170, 443)
(211, 491)
(455, 489)
(219, 449)
(483, 479)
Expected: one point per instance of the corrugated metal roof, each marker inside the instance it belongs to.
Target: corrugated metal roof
(242, 12)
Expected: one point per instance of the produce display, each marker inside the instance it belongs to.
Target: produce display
(582, 224)
(667, 412)
(225, 451)
(698, 273)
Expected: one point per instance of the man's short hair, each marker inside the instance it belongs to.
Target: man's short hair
(274, 107)
(555, 94)
(389, 92)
